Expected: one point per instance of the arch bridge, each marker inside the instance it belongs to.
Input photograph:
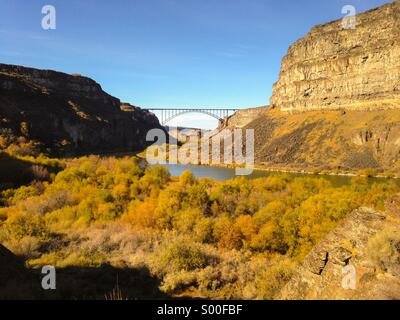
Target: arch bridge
(168, 114)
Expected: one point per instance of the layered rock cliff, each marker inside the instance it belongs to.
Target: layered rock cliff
(336, 104)
(68, 114)
(337, 68)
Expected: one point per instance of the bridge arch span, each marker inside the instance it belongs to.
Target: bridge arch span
(168, 114)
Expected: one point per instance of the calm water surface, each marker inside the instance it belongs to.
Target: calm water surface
(222, 174)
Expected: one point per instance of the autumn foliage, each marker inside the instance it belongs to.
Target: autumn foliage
(240, 238)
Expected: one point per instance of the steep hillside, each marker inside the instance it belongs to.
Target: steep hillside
(16, 282)
(68, 114)
(333, 140)
(369, 242)
(332, 67)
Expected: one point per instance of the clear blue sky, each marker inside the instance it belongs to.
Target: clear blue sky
(196, 53)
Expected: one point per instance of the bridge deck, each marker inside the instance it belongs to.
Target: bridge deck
(191, 109)
(167, 114)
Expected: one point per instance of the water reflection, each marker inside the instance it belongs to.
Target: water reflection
(219, 173)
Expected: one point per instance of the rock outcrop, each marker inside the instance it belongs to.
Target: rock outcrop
(344, 253)
(243, 117)
(68, 114)
(337, 68)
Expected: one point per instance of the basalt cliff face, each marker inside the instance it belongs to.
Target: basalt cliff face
(344, 68)
(336, 105)
(68, 114)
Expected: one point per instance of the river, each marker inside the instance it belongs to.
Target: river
(221, 173)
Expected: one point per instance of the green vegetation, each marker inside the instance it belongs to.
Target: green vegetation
(234, 239)
(383, 250)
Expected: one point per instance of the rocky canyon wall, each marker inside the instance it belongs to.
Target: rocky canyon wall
(243, 117)
(337, 68)
(68, 114)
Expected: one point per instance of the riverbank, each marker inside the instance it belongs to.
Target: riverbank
(369, 173)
